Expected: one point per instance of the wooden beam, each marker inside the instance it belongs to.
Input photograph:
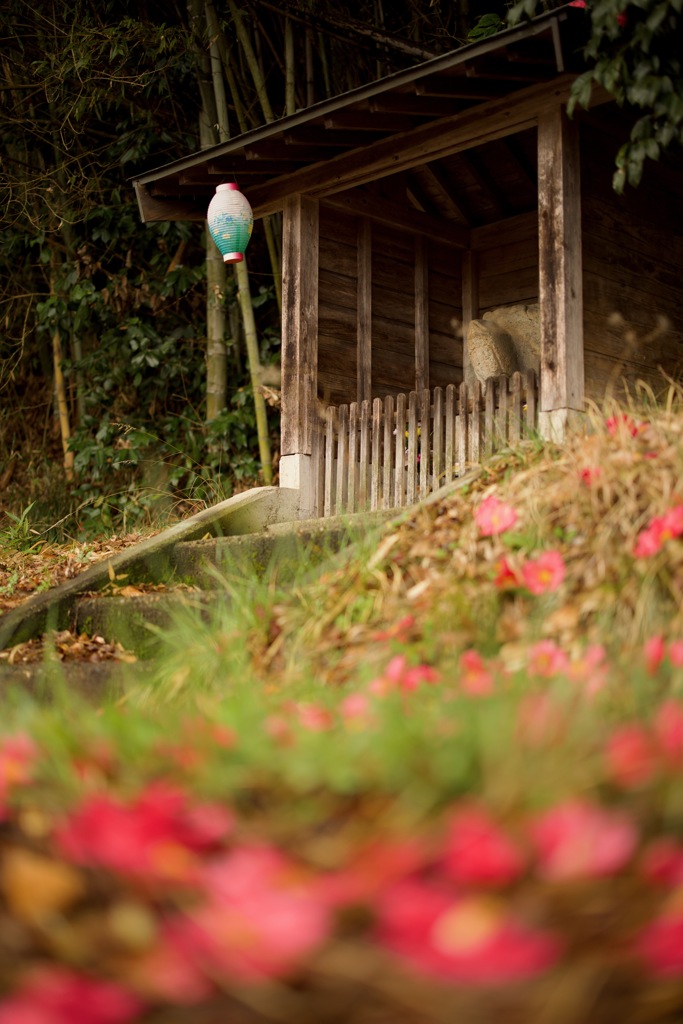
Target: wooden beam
(397, 215)
(440, 182)
(152, 208)
(560, 272)
(421, 315)
(300, 245)
(494, 119)
(459, 87)
(366, 121)
(364, 311)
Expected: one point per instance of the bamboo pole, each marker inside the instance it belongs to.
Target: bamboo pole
(62, 407)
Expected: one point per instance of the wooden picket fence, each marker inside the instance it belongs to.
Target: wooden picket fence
(390, 453)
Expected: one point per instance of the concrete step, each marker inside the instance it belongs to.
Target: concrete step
(133, 621)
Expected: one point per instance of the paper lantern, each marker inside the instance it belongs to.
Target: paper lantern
(230, 221)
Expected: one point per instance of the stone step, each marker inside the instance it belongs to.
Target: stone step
(133, 621)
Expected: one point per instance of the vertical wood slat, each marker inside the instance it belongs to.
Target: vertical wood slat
(421, 314)
(300, 245)
(475, 424)
(318, 470)
(489, 417)
(451, 453)
(330, 417)
(515, 428)
(437, 440)
(424, 405)
(463, 417)
(375, 473)
(399, 471)
(364, 311)
(502, 413)
(352, 489)
(390, 436)
(342, 497)
(411, 483)
(364, 461)
(531, 384)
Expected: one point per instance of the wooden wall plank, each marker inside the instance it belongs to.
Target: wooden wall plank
(421, 315)
(299, 324)
(364, 314)
(399, 465)
(389, 460)
(560, 272)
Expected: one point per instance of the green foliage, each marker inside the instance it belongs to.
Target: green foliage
(634, 53)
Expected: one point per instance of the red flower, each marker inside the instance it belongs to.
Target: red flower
(546, 659)
(154, 836)
(589, 474)
(631, 756)
(659, 530)
(668, 730)
(400, 675)
(662, 862)
(261, 917)
(624, 424)
(476, 679)
(56, 995)
(478, 852)
(544, 573)
(506, 576)
(660, 944)
(494, 516)
(654, 651)
(314, 717)
(579, 840)
(473, 940)
(18, 755)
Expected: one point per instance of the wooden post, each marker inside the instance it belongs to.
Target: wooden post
(560, 273)
(300, 245)
(421, 315)
(364, 311)
(470, 304)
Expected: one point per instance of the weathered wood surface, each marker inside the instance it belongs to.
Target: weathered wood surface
(299, 324)
(388, 454)
(560, 271)
(364, 310)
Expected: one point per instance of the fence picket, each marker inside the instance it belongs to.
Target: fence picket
(390, 432)
(375, 472)
(424, 456)
(386, 453)
(352, 487)
(451, 452)
(342, 497)
(364, 466)
(411, 483)
(437, 440)
(330, 417)
(400, 453)
(463, 418)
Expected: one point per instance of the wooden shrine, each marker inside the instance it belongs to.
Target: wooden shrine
(451, 197)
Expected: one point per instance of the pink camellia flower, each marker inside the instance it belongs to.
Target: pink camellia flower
(400, 675)
(546, 659)
(623, 425)
(475, 679)
(471, 940)
(494, 516)
(506, 576)
(478, 852)
(660, 944)
(591, 669)
(676, 653)
(314, 717)
(57, 995)
(260, 918)
(631, 756)
(154, 836)
(667, 727)
(579, 840)
(18, 755)
(540, 720)
(659, 530)
(654, 650)
(662, 862)
(545, 573)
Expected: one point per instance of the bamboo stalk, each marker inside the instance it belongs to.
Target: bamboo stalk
(290, 73)
(62, 408)
(251, 59)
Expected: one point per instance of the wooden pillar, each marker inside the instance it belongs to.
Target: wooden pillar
(560, 273)
(300, 248)
(364, 312)
(470, 304)
(421, 314)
